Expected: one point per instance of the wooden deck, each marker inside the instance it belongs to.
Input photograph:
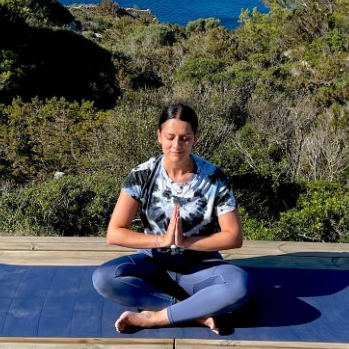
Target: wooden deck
(93, 251)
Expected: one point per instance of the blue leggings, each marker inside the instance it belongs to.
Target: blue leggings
(203, 289)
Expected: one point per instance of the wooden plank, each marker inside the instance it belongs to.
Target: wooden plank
(101, 343)
(262, 248)
(214, 344)
(84, 343)
(306, 247)
(48, 243)
(94, 251)
(252, 248)
(291, 255)
(99, 257)
(99, 244)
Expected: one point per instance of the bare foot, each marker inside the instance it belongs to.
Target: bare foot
(129, 321)
(209, 322)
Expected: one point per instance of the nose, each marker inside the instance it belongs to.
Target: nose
(176, 143)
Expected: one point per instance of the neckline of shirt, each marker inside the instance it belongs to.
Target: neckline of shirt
(192, 176)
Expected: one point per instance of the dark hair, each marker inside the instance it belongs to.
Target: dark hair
(180, 111)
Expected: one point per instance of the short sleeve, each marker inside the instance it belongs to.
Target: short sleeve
(225, 200)
(138, 179)
(132, 185)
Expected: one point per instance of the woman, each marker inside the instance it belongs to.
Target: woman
(189, 213)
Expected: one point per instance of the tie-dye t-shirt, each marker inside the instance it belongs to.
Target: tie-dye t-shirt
(202, 199)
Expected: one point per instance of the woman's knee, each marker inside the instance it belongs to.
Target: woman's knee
(242, 288)
(103, 277)
(239, 281)
(106, 277)
(101, 280)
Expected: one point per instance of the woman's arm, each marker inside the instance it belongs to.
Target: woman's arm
(119, 232)
(229, 237)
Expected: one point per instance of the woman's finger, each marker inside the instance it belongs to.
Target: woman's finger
(173, 221)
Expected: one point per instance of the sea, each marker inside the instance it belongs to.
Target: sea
(182, 12)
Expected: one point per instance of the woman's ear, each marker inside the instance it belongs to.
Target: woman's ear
(159, 135)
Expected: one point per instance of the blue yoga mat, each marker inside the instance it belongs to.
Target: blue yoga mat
(287, 305)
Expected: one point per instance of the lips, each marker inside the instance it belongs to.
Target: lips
(177, 154)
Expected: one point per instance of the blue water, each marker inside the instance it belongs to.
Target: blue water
(181, 12)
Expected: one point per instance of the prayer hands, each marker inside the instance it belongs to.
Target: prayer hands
(174, 235)
(179, 237)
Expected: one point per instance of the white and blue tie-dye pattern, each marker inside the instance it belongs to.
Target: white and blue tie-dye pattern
(203, 198)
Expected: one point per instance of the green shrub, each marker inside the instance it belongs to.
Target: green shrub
(40, 138)
(199, 69)
(321, 215)
(254, 229)
(202, 25)
(69, 206)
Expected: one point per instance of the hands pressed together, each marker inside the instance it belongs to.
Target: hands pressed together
(174, 234)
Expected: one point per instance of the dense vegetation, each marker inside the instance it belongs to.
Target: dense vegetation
(81, 89)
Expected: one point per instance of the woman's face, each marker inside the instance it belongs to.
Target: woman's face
(177, 139)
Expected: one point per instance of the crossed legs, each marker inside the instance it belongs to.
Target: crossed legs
(166, 297)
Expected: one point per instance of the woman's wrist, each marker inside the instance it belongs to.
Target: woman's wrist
(160, 242)
(181, 244)
(157, 241)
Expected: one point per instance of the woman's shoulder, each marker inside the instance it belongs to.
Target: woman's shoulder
(207, 167)
(210, 171)
(150, 164)
(141, 173)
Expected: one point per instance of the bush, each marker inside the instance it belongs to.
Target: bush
(199, 69)
(321, 215)
(69, 206)
(40, 138)
(202, 25)
(254, 229)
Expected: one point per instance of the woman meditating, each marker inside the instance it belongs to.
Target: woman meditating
(189, 214)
